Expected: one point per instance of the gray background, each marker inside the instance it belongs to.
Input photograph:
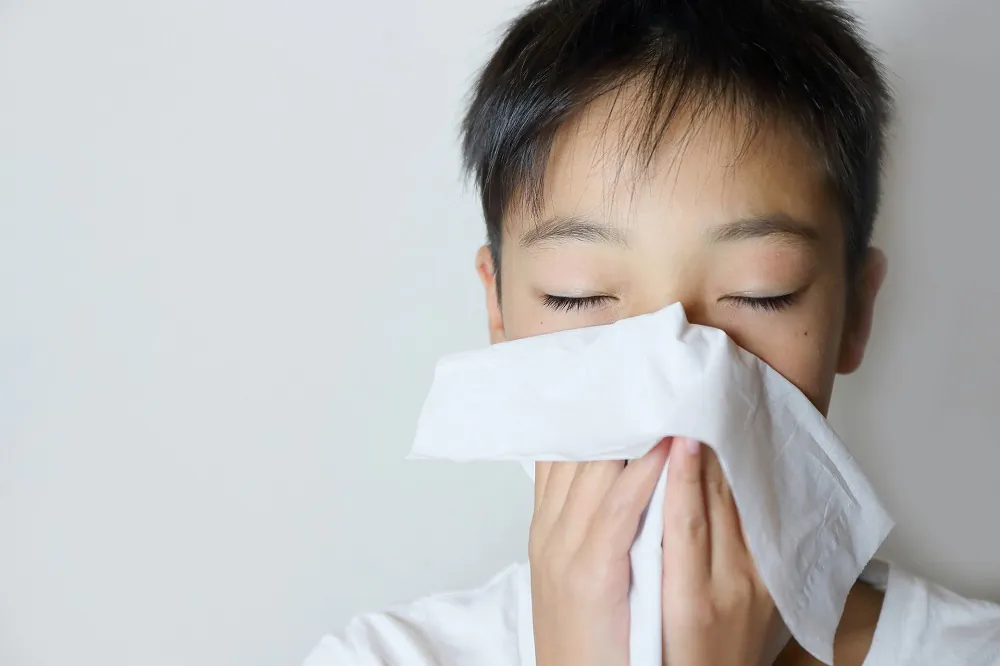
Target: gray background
(233, 241)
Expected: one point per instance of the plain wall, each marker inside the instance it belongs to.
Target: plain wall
(233, 242)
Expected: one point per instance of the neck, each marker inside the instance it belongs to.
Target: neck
(854, 634)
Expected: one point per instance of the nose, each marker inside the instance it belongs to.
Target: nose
(694, 309)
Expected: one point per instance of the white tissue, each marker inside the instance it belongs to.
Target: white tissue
(811, 518)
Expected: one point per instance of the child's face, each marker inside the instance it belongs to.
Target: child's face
(700, 227)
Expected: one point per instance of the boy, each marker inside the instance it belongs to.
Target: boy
(631, 154)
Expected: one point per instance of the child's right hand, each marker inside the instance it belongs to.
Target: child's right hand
(586, 518)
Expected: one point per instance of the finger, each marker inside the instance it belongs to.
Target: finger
(617, 520)
(686, 548)
(728, 550)
(587, 493)
(542, 468)
(557, 483)
(558, 479)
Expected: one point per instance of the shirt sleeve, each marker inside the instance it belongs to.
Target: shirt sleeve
(479, 627)
(923, 624)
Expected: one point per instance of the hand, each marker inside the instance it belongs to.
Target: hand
(716, 610)
(586, 518)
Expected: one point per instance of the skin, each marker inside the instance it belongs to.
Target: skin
(751, 243)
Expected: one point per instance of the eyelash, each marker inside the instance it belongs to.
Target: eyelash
(571, 304)
(766, 304)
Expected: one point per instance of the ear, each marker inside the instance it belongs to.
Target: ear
(858, 326)
(488, 276)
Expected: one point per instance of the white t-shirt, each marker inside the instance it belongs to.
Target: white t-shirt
(921, 625)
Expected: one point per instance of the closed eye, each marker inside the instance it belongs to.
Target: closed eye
(577, 303)
(572, 303)
(763, 304)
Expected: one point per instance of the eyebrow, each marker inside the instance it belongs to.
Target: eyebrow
(583, 230)
(778, 225)
(573, 229)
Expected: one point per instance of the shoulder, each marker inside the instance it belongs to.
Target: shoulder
(485, 625)
(924, 623)
(893, 618)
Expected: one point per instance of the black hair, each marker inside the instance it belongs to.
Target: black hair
(802, 62)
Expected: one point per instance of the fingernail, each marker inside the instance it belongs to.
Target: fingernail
(691, 446)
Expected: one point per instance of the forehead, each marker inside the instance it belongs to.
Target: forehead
(708, 168)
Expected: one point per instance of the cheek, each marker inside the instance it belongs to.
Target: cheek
(522, 312)
(522, 318)
(808, 362)
(805, 353)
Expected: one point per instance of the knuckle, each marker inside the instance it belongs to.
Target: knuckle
(716, 484)
(693, 525)
(697, 613)
(615, 508)
(742, 591)
(744, 588)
